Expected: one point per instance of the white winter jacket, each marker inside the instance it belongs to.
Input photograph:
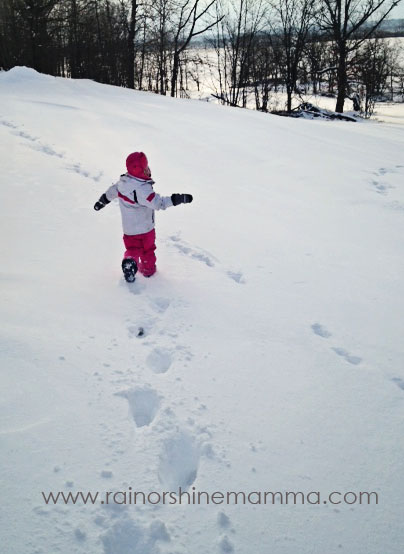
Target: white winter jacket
(137, 201)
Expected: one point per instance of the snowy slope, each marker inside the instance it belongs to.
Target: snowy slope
(272, 358)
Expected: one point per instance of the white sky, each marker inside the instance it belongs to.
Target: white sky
(398, 12)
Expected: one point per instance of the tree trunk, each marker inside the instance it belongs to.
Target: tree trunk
(142, 59)
(131, 45)
(341, 80)
(289, 93)
(174, 77)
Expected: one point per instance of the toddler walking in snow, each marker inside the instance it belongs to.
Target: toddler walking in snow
(137, 201)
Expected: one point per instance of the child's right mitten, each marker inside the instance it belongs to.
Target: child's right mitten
(103, 201)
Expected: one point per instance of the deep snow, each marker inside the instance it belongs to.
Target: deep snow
(272, 355)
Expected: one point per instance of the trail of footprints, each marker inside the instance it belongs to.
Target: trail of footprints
(35, 143)
(382, 187)
(181, 447)
(204, 257)
(180, 451)
(321, 331)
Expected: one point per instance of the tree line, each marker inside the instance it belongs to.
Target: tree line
(250, 49)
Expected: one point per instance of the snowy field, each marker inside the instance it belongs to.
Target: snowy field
(272, 353)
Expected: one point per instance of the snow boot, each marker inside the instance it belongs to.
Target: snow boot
(129, 269)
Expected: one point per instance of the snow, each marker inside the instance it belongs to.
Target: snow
(272, 351)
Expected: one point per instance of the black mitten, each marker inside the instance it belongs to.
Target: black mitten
(181, 199)
(103, 201)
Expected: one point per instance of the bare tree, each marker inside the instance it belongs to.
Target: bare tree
(163, 9)
(316, 57)
(233, 44)
(292, 22)
(190, 15)
(344, 21)
(134, 4)
(372, 67)
(263, 70)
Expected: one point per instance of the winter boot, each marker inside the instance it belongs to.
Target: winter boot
(129, 269)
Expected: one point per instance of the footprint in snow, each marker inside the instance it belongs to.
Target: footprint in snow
(143, 330)
(25, 135)
(136, 331)
(225, 545)
(323, 332)
(320, 330)
(395, 205)
(179, 461)
(159, 360)
(137, 287)
(195, 253)
(354, 360)
(143, 403)
(126, 536)
(399, 382)
(80, 535)
(236, 276)
(223, 520)
(159, 304)
(77, 168)
(379, 188)
(8, 124)
(204, 257)
(383, 188)
(44, 148)
(384, 170)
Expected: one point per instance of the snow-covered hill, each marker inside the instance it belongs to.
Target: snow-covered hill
(272, 354)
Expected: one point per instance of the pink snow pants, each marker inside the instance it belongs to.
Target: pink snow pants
(141, 248)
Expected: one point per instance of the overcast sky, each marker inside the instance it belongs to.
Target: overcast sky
(398, 12)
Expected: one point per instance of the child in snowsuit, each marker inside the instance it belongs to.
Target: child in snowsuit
(137, 202)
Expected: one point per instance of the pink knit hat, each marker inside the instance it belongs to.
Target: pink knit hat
(138, 166)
